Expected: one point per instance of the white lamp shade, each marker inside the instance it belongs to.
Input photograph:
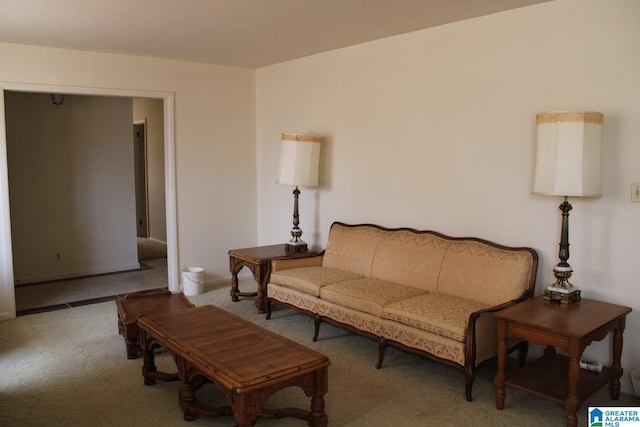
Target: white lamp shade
(568, 153)
(299, 160)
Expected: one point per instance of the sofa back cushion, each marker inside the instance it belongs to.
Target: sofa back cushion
(351, 248)
(410, 258)
(469, 268)
(482, 272)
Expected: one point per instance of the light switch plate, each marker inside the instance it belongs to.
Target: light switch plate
(635, 191)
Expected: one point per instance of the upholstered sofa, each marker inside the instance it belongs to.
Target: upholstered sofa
(421, 291)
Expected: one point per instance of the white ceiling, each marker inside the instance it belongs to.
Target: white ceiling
(245, 33)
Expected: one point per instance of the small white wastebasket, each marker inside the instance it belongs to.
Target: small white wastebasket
(192, 280)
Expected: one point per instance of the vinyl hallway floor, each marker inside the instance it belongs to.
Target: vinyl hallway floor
(61, 294)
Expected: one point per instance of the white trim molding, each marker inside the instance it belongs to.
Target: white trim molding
(7, 291)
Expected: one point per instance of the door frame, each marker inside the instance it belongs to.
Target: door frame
(144, 172)
(7, 290)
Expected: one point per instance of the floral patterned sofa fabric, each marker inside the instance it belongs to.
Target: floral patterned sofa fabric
(352, 252)
(418, 290)
(312, 279)
(410, 259)
(366, 294)
(477, 271)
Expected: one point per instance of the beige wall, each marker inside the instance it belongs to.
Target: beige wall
(151, 112)
(436, 130)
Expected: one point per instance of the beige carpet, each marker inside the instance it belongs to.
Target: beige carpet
(69, 368)
(149, 249)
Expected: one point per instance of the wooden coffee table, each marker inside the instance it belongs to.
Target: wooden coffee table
(258, 260)
(247, 362)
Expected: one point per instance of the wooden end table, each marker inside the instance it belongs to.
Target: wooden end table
(210, 344)
(258, 260)
(570, 328)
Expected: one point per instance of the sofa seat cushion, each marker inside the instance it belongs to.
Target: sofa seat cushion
(444, 315)
(366, 294)
(310, 279)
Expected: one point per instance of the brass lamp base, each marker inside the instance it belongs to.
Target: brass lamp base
(562, 290)
(298, 246)
(561, 295)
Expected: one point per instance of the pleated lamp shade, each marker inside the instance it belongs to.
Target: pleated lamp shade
(568, 154)
(299, 160)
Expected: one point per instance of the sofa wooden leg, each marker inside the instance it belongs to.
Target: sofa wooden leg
(469, 376)
(382, 346)
(317, 320)
(268, 310)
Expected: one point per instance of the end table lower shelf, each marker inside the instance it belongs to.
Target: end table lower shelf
(547, 377)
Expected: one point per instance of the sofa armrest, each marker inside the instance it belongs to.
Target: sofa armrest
(482, 338)
(286, 264)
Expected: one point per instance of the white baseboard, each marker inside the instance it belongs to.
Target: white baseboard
(77, 273)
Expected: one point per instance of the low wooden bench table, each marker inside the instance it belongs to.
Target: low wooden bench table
(134, 305)
(247, 362)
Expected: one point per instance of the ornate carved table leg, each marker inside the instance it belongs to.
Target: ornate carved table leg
(246, 408)
(502, 356)
(131, 344)
(573, 400)
(148, 361)
(262, 277)
(616, 366)
(318, 417)
(235, 269)
(187, 398)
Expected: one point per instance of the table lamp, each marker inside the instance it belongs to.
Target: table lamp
(567, 164)
(299, 163)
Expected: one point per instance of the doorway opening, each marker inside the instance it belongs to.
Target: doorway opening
(7, 290)
(150, 248)
(72, 186)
